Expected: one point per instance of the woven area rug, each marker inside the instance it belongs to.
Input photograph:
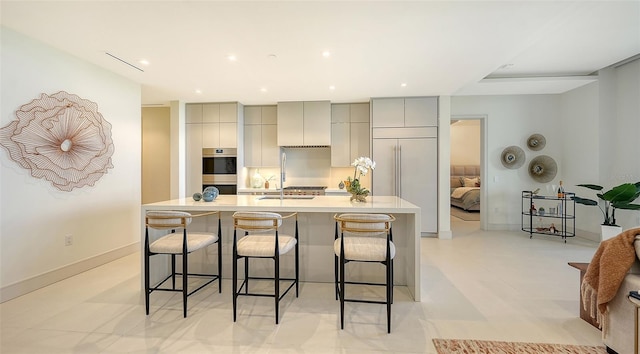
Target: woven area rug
(465, 215)
(459, 346)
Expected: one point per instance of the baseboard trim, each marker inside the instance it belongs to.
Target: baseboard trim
(39, 281)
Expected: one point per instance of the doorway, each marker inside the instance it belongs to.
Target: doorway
(467, 172)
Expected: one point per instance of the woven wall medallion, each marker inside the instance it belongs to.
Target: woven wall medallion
(61, 138)
(512, 157)
(543, 168)
(536, 142)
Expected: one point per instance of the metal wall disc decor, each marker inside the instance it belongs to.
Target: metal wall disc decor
(61, 138)
(512, 157)
(536, 142)
(543, 168)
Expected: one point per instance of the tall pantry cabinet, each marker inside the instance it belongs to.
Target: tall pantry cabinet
(208, 125)
(405, 149)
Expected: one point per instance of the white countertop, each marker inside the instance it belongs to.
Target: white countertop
(322, 204)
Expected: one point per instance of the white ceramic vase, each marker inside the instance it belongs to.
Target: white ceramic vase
(608, 232)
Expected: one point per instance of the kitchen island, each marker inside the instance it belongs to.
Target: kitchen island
(316, 233)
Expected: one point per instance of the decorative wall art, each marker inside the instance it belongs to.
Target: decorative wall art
(61, 138)
(512, 157)
(536, 142)
(543, 168)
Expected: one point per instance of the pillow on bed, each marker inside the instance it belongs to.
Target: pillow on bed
(471, 182)
(456, 182)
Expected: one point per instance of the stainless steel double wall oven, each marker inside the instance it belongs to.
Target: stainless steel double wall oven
(219, 169)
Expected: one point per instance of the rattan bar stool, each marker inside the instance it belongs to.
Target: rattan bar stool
(364, 238)
(260, 238)
(178, 244)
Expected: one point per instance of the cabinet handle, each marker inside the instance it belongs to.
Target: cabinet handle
(399, 171)
(395, 172)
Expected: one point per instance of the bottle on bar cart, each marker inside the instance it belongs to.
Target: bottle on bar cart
(560, 191)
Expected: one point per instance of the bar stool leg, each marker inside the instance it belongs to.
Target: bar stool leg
(389, 295)
(246, 275)
(342, 290)
(185, 271)
(219, 256)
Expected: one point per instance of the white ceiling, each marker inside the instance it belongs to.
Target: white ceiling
(436, 48)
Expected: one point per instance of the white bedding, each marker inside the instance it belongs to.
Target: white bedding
(460, 191)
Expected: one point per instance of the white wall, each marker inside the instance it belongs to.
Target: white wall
(510, 121)
(619, 100)
(581, 148)
(591, 132)
(104, 220)
(465, 142)
(604, 149)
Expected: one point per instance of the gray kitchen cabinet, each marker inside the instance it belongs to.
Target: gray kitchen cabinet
(208, 125)
(193, 135)
(270, 148)
(387, 112)
(421, 111)
(211, 113)
(193, 113)
(404, 112)
(260, 142)
(359, 139)
(405, 149)
(304, 123)
(407, 168)
(220, 125)
(350, 136)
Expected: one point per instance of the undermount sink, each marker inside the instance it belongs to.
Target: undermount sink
(287, 197)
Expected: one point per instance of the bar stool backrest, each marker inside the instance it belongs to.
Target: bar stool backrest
(163, 220)
(364, 224)
(257, 221)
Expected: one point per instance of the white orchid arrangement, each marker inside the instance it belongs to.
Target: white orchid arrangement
(362, 166)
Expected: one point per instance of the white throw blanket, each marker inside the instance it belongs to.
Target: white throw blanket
(460, 191)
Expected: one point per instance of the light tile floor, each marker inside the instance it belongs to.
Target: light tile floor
(491, 285)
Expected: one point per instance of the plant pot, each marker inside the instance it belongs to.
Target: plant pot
(358, 197)
(608, 232)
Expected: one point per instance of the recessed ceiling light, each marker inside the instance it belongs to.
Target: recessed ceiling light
(143, 61)
(404, 84)
(198, 91)
(326, 54)
(263, 89)
(232, 57)
(332, 87)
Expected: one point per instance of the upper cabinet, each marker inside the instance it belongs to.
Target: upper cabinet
(209, 125)
(405, 112)
(260, 143)
(219, 123)
(304, 123)
(350, 133)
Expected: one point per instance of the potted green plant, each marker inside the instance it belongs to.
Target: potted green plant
(618, 197)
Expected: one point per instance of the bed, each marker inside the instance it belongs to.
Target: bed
(465, 187)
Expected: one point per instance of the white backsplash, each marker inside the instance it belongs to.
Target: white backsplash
(306, 167)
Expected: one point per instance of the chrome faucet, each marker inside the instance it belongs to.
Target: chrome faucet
(283, 175)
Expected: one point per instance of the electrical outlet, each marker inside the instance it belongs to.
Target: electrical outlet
(68, 240)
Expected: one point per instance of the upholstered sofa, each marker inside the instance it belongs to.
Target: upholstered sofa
(619, 335)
